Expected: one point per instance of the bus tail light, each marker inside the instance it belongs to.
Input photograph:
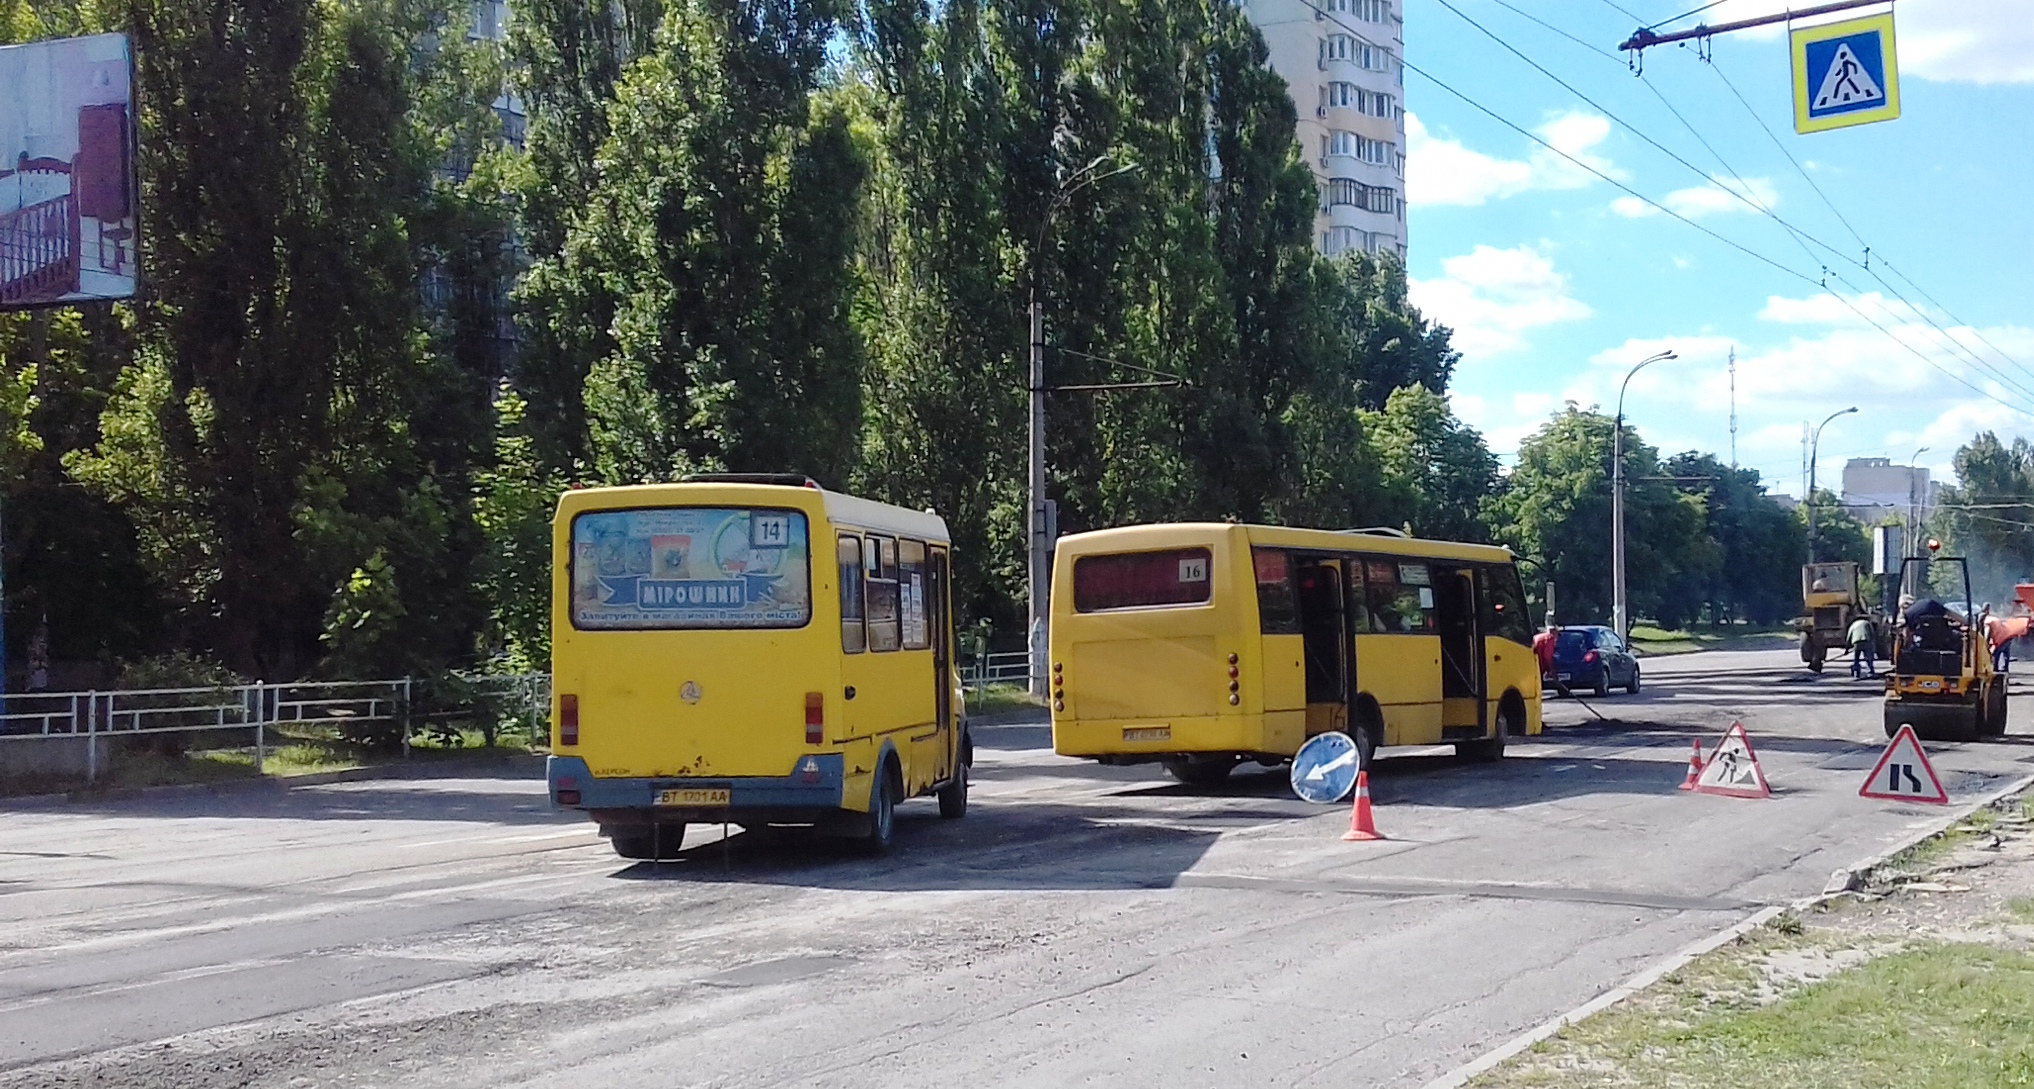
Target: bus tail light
(815, 717)
(568, 719)
(568, 791)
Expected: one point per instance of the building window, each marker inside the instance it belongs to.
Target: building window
(1339, 240)
(1344, 191)
(1337, 47)
(1381, 199)
(1375, 11)
(1375, 152)
(1343, 94)
(1344, 143)
(1373, 58)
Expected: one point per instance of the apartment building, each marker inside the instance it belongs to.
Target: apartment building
(1875, 489)
(1341, 63)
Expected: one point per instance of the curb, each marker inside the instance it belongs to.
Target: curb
(1848, 878)
(431, 769)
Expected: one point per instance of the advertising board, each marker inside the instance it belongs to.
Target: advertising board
(68, 209)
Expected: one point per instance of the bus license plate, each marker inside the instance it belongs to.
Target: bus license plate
(693, 797)
(1147, 733)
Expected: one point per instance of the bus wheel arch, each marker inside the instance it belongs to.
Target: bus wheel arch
(1366, 728)
(886, 789)
(1511, 714)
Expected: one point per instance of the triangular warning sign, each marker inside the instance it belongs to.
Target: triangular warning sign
(1733, 769)
(1904, 774)
(1847, 83)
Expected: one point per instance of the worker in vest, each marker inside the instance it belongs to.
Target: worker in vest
(1863, 648)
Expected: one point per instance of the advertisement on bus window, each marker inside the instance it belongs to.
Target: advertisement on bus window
(68, 212)
(690, 567)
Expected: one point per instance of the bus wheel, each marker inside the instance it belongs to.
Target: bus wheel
(882, 811)
(1201, 771)
(649, 842)
(953, 797)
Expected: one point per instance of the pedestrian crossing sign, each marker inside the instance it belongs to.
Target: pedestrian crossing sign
(1845, 74)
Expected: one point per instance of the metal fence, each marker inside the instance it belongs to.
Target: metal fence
(254, 716)
(1011, 667)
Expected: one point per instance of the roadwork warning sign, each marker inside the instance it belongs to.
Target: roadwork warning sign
(1904, 774)
(1733, 769)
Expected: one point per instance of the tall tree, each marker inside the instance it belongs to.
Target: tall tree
(1437, 472)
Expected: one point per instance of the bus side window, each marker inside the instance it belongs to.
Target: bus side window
(1506, 618)
(911, 592)
(1277, 613)
(1381, 581)
(854, 637)
(879, 562)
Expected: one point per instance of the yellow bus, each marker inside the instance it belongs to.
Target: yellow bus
(1201, 646)
(750, 649)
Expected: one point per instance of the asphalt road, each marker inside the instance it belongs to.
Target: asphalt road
(1082, 925)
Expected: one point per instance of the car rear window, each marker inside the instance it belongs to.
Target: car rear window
(1576, 641)
(1141, 580)
(690, 567)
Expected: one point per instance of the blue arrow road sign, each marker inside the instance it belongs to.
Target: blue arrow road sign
(1324, 770)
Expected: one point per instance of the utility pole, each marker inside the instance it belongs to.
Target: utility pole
(1040, 525)
(1733, 408)
(1619, 612)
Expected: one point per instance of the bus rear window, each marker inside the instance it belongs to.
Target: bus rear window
(1137, 580)
(690, 567)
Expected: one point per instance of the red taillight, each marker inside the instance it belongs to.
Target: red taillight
(1589, 657)
(568, 719)
(815, 718)
(568, 797)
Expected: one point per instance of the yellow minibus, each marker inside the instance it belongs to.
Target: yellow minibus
(1201, 646)
(750, 649)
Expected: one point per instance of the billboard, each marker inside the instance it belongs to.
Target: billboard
(68, 213)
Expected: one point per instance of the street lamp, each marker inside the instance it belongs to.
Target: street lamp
(1913, 487)
(1038, 523)
(1813, 444)
(1619, 617)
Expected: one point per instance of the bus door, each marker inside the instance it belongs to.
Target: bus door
(1324, 631)
(1463, 708)
(942, 658)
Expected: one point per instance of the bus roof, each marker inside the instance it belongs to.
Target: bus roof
(841, 509)
(1168, 534)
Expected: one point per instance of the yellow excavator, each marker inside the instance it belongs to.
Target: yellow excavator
(1942, 682)
(1832, 597)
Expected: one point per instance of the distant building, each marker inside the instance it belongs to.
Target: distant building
(1874, 488)
(1783, 501)
(1341, 64)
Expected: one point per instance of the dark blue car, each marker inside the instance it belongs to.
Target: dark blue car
(1593, 657)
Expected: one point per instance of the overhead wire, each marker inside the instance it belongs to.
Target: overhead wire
(1800, 236)
(1862, 244)
(1685, 14)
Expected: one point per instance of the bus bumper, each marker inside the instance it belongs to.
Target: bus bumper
(1151, 739)
(811, 792)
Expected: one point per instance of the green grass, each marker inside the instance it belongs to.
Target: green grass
(998, 699)
(293, 751)
(1946, 1016)
(2022, 909)
(1651, 639)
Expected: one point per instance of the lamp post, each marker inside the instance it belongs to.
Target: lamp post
(1813, 444)
(1038, 520)
(1619, 611)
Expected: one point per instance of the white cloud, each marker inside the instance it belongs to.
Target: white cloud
(1827, 359)
(1721, 195)
(1442, 170)
(1951, 41)
(1491, 297)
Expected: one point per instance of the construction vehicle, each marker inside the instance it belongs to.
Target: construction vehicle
(1832, 598)
(1942, 681)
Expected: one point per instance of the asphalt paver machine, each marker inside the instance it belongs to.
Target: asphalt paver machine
(1942, 682)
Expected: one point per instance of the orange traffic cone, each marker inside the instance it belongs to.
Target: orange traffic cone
(1361, 827)
(1694, 767)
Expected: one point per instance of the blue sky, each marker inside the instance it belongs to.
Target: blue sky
(1556, 281)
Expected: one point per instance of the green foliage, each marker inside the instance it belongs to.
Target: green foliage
(1436, 472)
(512, 506)
(1556, 508)
(1988, 517)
